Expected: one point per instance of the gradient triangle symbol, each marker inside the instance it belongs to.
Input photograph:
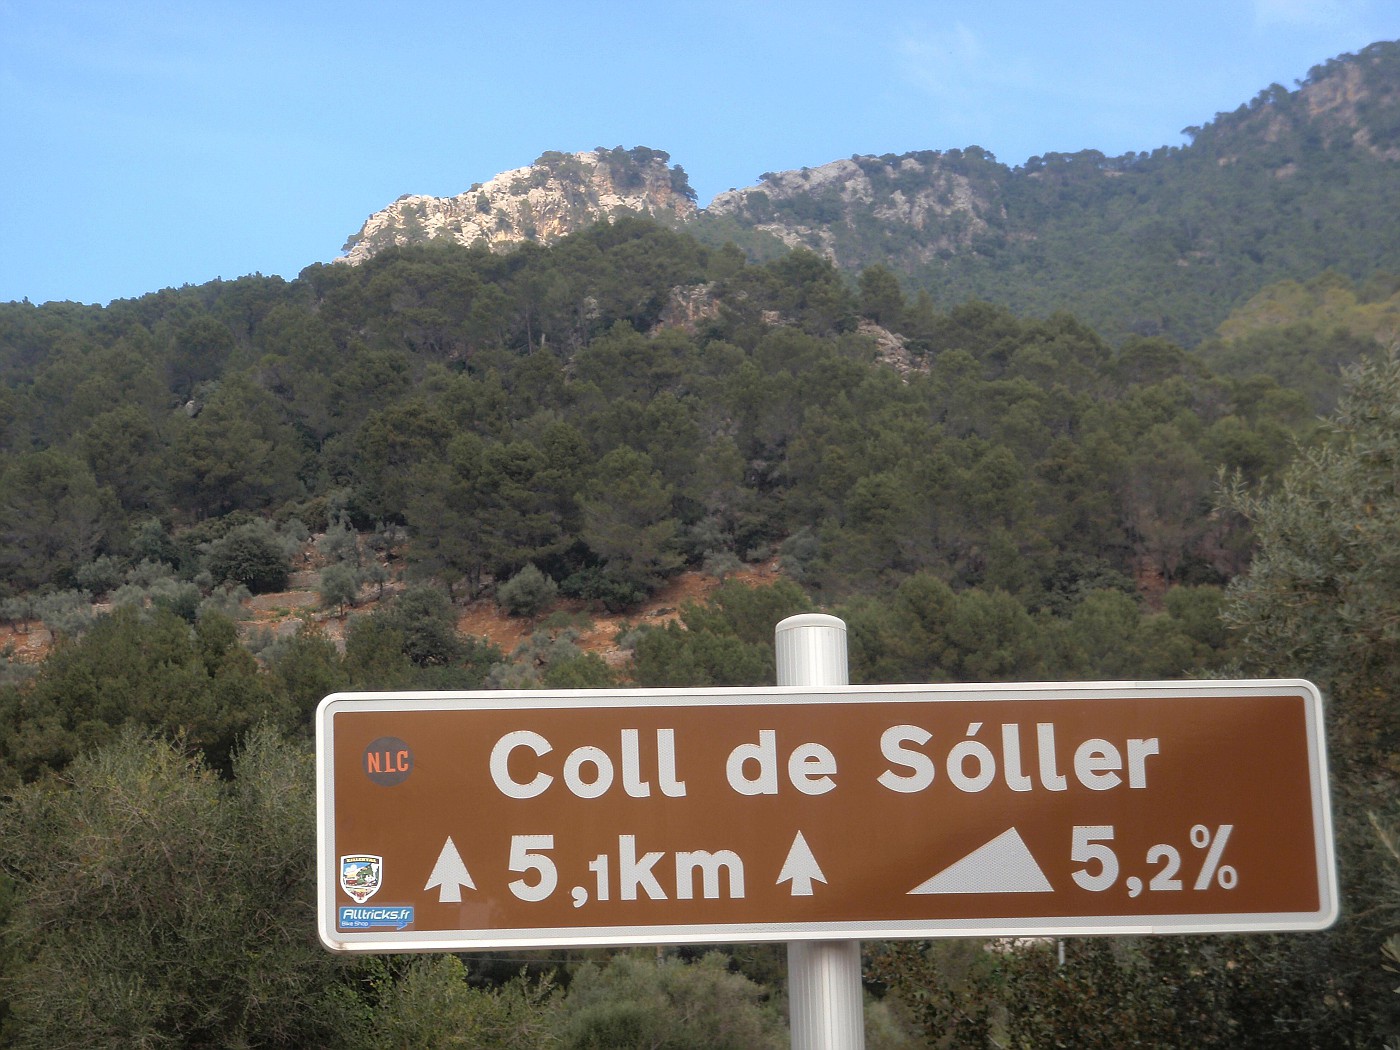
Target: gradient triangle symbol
(1003, 865)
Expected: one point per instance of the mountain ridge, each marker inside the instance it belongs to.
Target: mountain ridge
(1163, 243)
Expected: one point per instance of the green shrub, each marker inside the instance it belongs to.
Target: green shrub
(612, 592)
(528, 593)
(251, 555)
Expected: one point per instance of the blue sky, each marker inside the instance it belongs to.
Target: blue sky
(153, 143)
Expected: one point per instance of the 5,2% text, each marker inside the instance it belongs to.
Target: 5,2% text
(1091, 845)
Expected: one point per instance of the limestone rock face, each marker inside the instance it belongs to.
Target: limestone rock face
(935, 196)
(557, 195)
(1347, 102)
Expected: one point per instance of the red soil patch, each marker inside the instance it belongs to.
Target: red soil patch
(28, 646)
(483, 620)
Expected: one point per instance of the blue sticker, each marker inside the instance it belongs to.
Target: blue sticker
(353, 917)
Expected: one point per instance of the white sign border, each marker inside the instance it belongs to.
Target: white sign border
(337, 940)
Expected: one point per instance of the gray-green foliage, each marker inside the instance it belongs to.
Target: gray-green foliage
(528, 593)
(584, 671)
(67, 614)
(1162, 993)
(339, 585)
(181, 597)
(1386, 826)
(377, 573)
(148, 571)
(152, 585)
(644, 1003)
(427, 1002)
(1322, 595)
(225, 600)
(101, 575)
(340, 543)
(1322, 600)
(18, 611)
(158, 906)
(721, 563)
(550, 657)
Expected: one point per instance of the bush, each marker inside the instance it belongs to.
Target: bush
(251, 555)
(584, 671)
(721, 563)
(100, 576)
(637, 1001)
(18, 611)
(528, 593)
(66, 614)
(613, 592)
(179, 596)
(339, 586)
(430, 1001)
(425, 618)
(150, 894)
(340, 543)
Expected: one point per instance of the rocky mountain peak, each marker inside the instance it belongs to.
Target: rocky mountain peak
(558, 194)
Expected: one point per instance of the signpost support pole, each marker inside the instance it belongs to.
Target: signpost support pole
(826, 1006)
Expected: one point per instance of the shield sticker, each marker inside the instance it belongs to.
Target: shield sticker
(361, 875)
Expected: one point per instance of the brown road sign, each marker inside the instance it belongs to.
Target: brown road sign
(460, 821)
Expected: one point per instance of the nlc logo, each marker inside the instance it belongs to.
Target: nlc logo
(388, 761)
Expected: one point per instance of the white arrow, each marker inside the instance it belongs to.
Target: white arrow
(449, 875)
(801, 868)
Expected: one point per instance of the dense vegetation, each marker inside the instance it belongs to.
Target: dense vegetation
(1162, 243)
(1020, 500)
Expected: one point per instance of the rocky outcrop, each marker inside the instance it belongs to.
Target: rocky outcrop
(690, 306)
(892, 350)
(1357, 100)
(817, 208)
(937, 198)
(557, 195)
(1351, 101)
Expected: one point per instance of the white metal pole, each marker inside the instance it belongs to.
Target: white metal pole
(826, 1008)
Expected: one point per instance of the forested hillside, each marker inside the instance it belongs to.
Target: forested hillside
(981, 496)
(536, 408)
(1160, 242)
(1157, 242)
